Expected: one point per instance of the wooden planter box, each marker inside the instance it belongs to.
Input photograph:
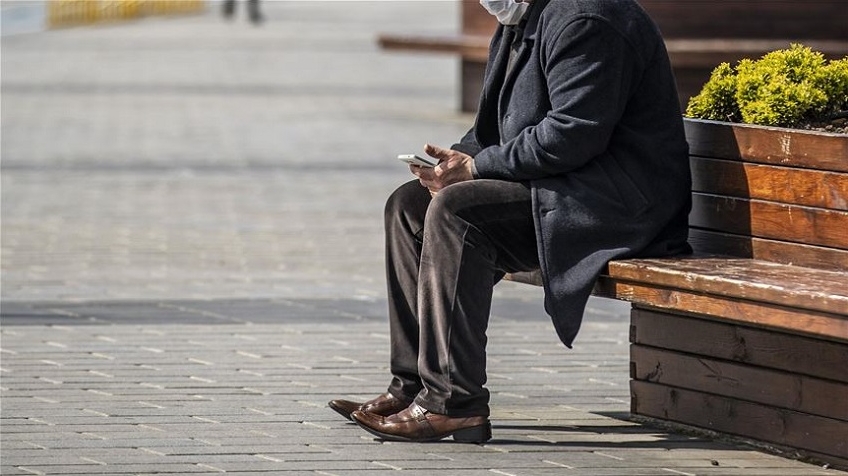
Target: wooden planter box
(770, 193)
(750, 336)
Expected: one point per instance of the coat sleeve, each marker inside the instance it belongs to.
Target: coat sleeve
(590, 69)
(468, 144)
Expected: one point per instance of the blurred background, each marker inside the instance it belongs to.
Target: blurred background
(180, 154)
(156, 149)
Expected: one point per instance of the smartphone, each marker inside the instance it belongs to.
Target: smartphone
(417, 160)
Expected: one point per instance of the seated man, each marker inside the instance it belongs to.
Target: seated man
(577, 157)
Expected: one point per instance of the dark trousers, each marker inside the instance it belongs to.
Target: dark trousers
(443, 257)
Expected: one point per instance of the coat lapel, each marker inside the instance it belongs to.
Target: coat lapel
(527, 32)
(487, 115)
(521, 57)
(499, 79)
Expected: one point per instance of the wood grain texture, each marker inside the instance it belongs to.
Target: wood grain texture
(741, 279)
(704, 336)
(794, 254)
(761, 219)
(813, 188)
(762, 422)
(828, 326)
(740, 381)
(768, 145)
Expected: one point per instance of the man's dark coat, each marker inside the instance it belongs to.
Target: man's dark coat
(589, 116)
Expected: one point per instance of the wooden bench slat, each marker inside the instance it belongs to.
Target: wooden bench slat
(740, 381)
(701, 53)
(764, 348)
(741, 278)
(471, 47)
(795, 254)
(816, 226)
(784, 427)
(823, 325)
(755, 143)
(529, 277)
(816, 188)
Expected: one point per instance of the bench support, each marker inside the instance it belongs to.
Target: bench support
(781, 388)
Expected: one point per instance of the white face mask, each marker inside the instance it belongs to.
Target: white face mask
(508, 12)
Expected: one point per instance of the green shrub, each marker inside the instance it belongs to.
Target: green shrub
(836, 86)
(717, 100)
(783, 88)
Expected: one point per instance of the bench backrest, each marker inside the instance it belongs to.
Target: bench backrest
(770, 194)
(700, 34)
(750, 19)
(728, 19)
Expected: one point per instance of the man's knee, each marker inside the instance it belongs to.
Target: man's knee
(402, 198)
(450, 200)
(406, 207)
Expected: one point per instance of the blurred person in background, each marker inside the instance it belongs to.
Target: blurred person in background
(577, 157)
(252, 10)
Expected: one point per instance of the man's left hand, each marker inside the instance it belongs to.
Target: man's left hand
(453, 167)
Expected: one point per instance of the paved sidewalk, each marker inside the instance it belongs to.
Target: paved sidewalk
(192, 262)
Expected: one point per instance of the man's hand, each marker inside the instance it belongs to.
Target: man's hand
(453, 167)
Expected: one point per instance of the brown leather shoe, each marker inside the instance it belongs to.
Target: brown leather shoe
(418, 425)
(384, 405)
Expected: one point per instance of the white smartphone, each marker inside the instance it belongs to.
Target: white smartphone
(417, 160)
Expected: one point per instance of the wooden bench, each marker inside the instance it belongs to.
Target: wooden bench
(749, 336)
(699, 35)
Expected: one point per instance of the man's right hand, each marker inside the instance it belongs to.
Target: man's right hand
(454, 166)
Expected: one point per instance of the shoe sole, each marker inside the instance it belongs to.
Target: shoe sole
(474, 434)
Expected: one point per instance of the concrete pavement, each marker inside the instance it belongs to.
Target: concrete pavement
(192, 261)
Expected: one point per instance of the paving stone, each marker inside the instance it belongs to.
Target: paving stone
(288, 423)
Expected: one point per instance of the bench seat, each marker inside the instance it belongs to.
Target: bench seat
(757, 292)
(754, 292)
